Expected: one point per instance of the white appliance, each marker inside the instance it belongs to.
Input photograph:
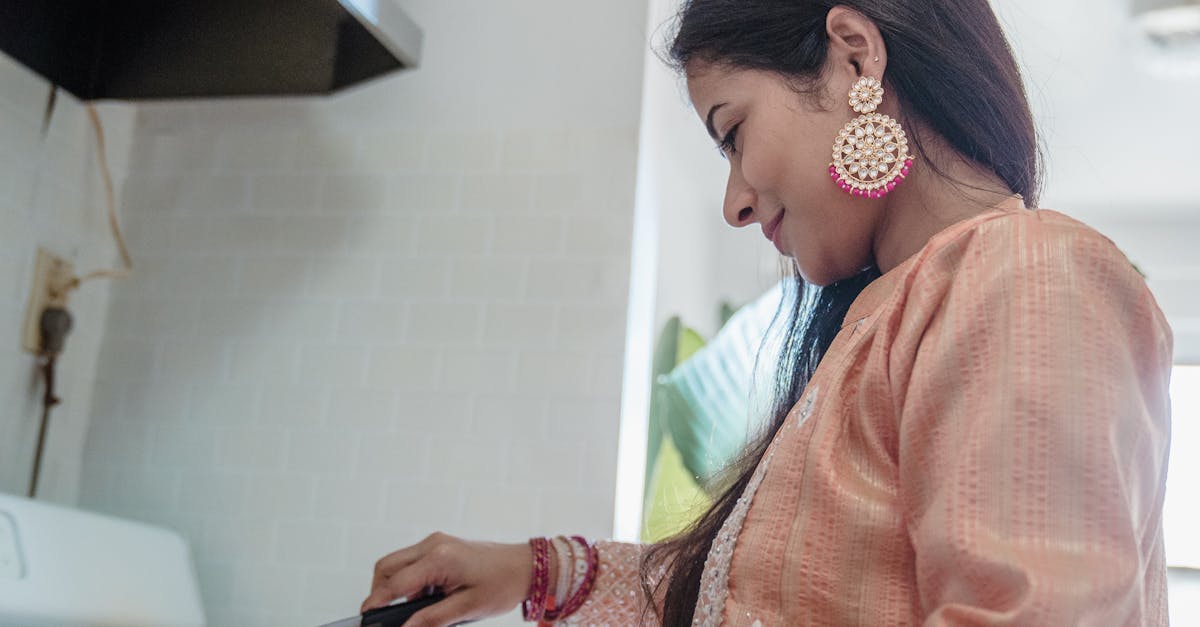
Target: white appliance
(63, 567)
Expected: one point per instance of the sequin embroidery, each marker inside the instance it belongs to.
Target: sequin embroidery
(714, 583)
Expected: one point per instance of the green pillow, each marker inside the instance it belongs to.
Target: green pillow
(701, 410)
(707, 402)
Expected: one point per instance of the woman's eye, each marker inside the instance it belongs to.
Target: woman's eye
(727, 144)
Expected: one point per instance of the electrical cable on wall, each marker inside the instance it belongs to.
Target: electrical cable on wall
(110, 197)
(54, 320)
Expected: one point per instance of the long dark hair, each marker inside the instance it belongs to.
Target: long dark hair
(950, 67)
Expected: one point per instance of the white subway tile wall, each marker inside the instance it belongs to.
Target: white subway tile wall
(346, 337)
(342, 344)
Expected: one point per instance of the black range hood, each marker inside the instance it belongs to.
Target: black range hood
(169, 49)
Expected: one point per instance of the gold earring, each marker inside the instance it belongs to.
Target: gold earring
(870, 155)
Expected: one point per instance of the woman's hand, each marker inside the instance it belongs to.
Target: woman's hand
(479, 579)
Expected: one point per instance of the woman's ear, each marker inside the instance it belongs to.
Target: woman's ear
(855, 44)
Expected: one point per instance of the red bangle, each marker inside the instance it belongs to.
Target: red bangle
(571, 605)
(533, 608)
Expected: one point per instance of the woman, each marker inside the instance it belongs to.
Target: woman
(985, 439)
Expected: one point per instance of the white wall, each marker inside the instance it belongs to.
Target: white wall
(701, 260)
(364, 318)
(1164, 248)
(51, 195)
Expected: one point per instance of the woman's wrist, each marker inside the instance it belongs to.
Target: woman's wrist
(549, 597)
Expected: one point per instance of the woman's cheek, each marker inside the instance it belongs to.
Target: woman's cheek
(759, 173)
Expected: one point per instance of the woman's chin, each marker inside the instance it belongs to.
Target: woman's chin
(810, 278)
(818, 277)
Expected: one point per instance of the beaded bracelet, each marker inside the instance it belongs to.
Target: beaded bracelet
(579, 565)
(572, 567)
(566, 555)
(534, 606)
(591, 565)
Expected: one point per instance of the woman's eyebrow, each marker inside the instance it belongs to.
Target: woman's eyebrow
(712, 132)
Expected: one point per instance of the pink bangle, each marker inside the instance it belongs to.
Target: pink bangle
(593, 570)
(533, 608)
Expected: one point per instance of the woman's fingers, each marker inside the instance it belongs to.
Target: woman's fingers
(479, 578)
(438, 564)
(408, 583)
(392, 562)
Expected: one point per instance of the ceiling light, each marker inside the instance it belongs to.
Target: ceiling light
(1169, 34)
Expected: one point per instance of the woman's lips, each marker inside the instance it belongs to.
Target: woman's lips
(772, 229)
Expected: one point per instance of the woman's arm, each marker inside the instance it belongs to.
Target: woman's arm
(483, 579)
(1032, 372)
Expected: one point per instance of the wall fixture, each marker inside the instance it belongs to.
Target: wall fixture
(47, 317)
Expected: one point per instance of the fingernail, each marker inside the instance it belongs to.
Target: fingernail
(399, 600)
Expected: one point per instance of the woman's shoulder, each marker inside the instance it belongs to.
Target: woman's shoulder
(1017, 228)
(990, 250)
(1037, 258)
(1042, 241)
(1023, 272)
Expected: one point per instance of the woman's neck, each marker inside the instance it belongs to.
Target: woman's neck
(927, 203)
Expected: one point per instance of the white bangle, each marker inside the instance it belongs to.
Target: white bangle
(579, 553)
(566, 553)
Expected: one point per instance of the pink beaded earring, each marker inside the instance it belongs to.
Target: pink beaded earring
(870, 155)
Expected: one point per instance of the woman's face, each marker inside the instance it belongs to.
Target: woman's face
(778, 145)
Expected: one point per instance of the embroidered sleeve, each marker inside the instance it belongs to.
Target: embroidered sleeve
(617, 598)
(1034, 432)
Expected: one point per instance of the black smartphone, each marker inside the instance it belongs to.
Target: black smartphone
(390, 615)
(397, 615)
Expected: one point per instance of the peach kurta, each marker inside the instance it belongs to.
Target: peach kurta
(984, 443)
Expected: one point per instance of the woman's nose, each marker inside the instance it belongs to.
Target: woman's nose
(740, 201)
